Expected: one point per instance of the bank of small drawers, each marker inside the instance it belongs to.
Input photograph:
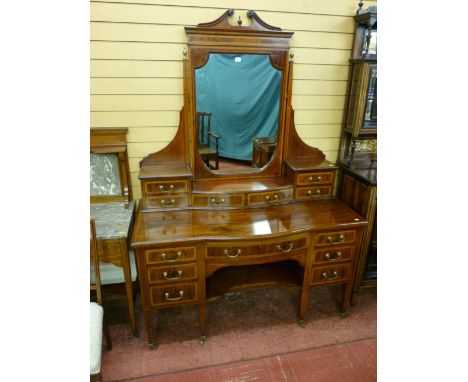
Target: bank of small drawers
(230, 250)
(166, 193)
(172, 276)
(334, 253)
(313, 185)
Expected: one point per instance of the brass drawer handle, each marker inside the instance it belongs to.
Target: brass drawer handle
(315, 193)
(330, 276)
(314, 179)
(179, 297)
(287, 249)
(166, 188)
(172, 274)
(333, 256)
(168, 202)
(175, 258)
(268, 198)
(335, 239)
(231, 252)
(220, 201)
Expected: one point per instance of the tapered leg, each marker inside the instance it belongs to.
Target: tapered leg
(202, 321)
(129, 287)
(347, 289)
(149, 328)
(303, 305)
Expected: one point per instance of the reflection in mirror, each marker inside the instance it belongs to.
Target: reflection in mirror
(237, 105)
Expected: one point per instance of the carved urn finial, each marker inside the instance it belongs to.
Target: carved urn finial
(360, 10)
(239, 21)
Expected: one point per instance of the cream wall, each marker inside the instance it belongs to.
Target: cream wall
(136, 65)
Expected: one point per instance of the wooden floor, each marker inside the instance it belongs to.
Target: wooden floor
(252, 336)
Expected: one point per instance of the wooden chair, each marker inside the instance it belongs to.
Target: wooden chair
(96, 314)
(206, 150)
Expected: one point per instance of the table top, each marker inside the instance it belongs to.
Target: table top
(112, 219)
(191, 224)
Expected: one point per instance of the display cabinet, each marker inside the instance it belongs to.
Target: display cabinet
(358, 147)
(203, 231)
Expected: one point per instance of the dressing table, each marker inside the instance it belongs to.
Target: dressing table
(202, 232)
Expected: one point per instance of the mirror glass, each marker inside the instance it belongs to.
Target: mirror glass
(237, 111)
(104, 175)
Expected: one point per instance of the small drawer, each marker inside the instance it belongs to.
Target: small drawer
(313, 192)
(315, 178)
(166, 187)
(217, 200)
(337, 237)
(173, 294)
(168, 201)
(333, 255)
(330, 274)
(258, 198)
(180, 272)
(170, 255)
(232, 250)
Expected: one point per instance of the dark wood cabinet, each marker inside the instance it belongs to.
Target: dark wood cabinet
(358, 148)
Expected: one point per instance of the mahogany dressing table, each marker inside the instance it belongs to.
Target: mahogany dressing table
(203, 232)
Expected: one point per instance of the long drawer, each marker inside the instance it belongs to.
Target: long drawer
(217, 200)
(173, 294)
(233, 250)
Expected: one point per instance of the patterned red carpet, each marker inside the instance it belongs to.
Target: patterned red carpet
(251, 336)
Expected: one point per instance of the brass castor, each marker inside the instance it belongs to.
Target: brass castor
(301, 323)
(136, 333)
(153, 345)
(344, 314)
(202, 340)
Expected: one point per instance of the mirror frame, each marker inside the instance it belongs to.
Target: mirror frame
(220, 36)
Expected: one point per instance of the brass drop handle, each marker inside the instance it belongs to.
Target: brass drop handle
(172, 274)
(179, 297)
(220, 201)
(333, 256)
(168, 202)
(287, 249)
(315, 193)
(175, 258)
(335, 239)
(330, 276)
(166, 188)
(314, 179)
(231, 252)
(268, 198)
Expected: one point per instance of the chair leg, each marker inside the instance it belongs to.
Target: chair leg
(107, 335)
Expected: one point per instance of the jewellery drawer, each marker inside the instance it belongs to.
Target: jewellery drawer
(167, 201)
(330, 274)
(217, 200)
(173, 294)
(166, 187)
(333, 254)
(269, 197)
(170, 255)
(336, 237)
(313, 192)
(234, 250)
(179, 272)
(315, 178)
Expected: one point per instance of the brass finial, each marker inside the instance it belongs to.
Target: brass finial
(291, 56)
(239, 21)
(184, 52)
